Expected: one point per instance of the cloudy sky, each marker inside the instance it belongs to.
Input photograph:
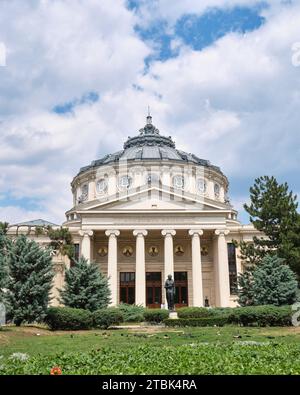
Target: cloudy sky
(221, 76)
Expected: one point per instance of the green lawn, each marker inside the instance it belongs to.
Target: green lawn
(228, 350)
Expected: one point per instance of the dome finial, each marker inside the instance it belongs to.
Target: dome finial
(149, 118)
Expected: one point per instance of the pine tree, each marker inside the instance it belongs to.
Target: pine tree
(273, 211)
(30, 280)
(271, 282)
(3, 265)
(245, 288)
(85, 287)
(274, 282)
(4, 227)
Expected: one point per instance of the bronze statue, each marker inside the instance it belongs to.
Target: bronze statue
(170, 292)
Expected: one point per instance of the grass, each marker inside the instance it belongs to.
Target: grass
(154, 350)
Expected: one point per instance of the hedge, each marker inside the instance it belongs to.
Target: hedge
(261, 316)
(132, 312)
(104, 318)
(202, 312)
(67, 318)
(155, 315)
(206, 321)
(246, 316)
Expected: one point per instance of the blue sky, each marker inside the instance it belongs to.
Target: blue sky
(198, 31)
(219, 77)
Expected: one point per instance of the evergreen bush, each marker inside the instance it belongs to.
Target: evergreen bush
(104, 318)
(261, 315)
(204, 321)
(132, 312)
(85, 287)
(155, 316)
(67, 318)
(29, 281)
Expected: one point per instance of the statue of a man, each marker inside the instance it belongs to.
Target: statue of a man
(170, 292)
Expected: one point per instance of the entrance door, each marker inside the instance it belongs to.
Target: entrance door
(127, 287)
(153, 289)
(181, 286)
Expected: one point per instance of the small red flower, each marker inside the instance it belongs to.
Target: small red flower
(56, 371)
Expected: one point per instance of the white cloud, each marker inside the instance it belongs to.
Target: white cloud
(235, 103)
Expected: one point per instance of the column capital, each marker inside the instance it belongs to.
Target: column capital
(112, 232)
(86, 233)
(168, 232)
(221, 232)
(140, 232)
(194, 232)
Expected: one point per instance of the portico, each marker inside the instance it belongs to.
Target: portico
(152, 253)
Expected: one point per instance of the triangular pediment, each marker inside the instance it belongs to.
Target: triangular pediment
(153, 199)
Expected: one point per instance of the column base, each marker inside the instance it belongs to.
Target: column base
(173, 315)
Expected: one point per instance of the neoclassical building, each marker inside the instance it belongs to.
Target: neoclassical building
(150, 210)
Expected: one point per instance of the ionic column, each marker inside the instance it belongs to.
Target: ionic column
(140, 269)
(197, 268)
(86, 243)
(222, 268)
(169, 251)
(112, 264)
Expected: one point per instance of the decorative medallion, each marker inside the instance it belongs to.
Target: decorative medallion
(103, 251)
(127, 251)
(153, 251)
(204, 250)
(179, 250)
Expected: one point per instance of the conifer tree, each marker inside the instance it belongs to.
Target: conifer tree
(245, 288)
(271, 282)
(30, 280)
(274, 282)
(85, 287)
(3, 264)
(273, 211)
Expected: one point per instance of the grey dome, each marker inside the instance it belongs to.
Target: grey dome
(149, 145)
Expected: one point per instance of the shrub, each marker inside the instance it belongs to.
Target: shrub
(155, 315)
(205, 321)
(132, 312)
(267, 315)
(67, 318)
(202, 312)
(104, 318)
(194, 312)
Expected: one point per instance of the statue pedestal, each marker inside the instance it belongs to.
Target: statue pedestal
(173, 315)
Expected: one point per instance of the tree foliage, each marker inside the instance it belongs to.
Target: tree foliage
(61, 239)
(30, 280)
(273, 211)
(270, 283)
(3, 263)
(85, 287)
(4, 227)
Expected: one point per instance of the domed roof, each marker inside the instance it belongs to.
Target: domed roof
(149, 145)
